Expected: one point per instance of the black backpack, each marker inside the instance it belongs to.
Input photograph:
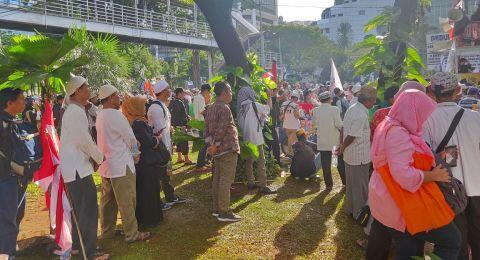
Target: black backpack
(454, 192)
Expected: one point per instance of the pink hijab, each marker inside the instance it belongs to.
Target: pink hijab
(410, 111)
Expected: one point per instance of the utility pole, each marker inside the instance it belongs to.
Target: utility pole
(262, 38)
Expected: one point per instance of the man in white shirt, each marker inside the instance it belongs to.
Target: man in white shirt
(290, 113)
(356, 150)
(116, 140)
(160, 119)
(466, 138)
(252, 117)
(326, 120)
(200, 102)
(76, 153)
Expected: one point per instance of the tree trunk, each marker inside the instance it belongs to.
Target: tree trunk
(408, 9)
(196, 68)
(219, 16)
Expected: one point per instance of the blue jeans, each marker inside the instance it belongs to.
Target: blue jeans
(8, 215)
(447, 240)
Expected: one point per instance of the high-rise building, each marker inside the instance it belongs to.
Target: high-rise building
(354, 14)
(260, 12)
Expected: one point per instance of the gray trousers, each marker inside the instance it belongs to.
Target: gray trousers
(261, 171)
(83, 196)
(357, 177)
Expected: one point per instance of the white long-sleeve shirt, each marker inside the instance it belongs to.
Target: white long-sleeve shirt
(466, 137)
(160, 119)
(326, 119)
(77, 145)
(116, 140)
(198, 107)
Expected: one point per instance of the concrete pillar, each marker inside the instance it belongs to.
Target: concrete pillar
(210, 63)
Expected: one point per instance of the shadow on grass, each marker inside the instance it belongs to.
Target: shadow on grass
(345, 238)
(301, 236)
(188, 230)
(292, 190)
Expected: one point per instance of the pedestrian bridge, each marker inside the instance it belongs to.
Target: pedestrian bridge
(127, 23)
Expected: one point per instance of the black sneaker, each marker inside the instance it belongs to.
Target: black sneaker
(266, 190)
(166, 207)
(177, 200)
(229, 217)
(215, 214)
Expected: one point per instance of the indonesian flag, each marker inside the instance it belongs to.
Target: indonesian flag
(49, 178)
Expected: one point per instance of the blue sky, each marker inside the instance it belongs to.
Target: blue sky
(302, 10)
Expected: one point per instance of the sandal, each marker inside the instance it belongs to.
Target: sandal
(189, 163)
(101, 256)
(142, 236)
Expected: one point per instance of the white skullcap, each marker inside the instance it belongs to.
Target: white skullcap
(160, 86)
(356, 88)
(74, 83)
(106, 91)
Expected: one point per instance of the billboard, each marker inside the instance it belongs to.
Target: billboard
(438, 46)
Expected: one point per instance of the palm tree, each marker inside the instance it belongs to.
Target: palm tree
(38, 61)
(344, 32)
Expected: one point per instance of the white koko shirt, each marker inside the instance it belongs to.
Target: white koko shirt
(160, 119)
(466, 137)
(326, 119)
(77, 145)
(116, 140)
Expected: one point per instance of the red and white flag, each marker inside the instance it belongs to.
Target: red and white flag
(49, 178)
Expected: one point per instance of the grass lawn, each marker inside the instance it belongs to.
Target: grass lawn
(302, 221)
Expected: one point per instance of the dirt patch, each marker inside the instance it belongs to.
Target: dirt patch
(36, 220)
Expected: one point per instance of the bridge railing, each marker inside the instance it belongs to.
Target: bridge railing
(115, 14)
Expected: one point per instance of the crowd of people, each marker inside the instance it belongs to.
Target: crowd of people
(398, 160)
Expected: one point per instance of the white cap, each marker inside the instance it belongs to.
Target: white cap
(160, 86)
(74, 83)
(106, 91)
(356, 88)
(296, 94)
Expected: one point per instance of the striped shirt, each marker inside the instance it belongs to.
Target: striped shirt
(356, 124)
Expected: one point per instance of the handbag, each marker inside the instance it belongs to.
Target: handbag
(454, 192)
(363, 216)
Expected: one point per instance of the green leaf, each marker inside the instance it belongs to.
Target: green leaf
(414, 56)
(22, 80)
(216, 79)
(64, 71)
(67, 44)
(198, 145)
(197, 124)
(248, 150)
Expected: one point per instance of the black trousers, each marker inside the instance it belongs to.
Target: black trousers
(83, 195)
(380, 242)
(469, 225)
(202, 155)
(341, 169)
(326, 158)
(447, 240)
(167, 188)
